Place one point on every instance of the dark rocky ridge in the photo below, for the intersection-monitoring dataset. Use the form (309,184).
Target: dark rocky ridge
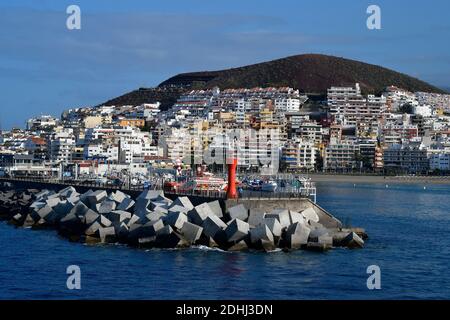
(310,73)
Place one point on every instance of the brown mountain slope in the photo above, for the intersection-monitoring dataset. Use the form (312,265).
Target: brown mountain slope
(311,73)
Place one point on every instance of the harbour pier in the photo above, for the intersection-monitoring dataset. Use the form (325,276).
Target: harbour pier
(154,218)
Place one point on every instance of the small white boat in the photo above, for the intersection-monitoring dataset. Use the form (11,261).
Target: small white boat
(269,186)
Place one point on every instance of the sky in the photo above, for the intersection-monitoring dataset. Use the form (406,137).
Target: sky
(46,68)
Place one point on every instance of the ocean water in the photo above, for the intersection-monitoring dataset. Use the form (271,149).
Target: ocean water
(409,229)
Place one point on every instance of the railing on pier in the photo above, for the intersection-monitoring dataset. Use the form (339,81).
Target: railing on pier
(75,183)
(306,191)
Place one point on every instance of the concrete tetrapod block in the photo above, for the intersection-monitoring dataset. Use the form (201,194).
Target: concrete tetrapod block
(90,216)
(262,232)
(92,230)
(122,231)
(212,226)
(17,219)
(163,236)
(85,197)
(96,197)
(38,205)
(107,235)
(154,216)
(200,213)
(71,227)
(155,225)
(151,195)
(44,212)
(141,207)
(262,237)
(138,231)
(53,195)
(63,207)
(238,212)
(119,215)
(176,219)
(282,216)
(191,232)
(216,208)
(148,242)
(29,221)
(135,226)
(134,219)
(238,246)
(316,233)
(74,199)
(104,221)
(178,208)
(53,202)
(311,215)
(256,217)
(166,200)
(296,217)
(113,216)
(126,204)
(237,230)
(274,226)
(353,241)
(50,216)
(118,196)
(106,206)
(184,202)
(66,192)
(157,204)
(160,210)
(165,231)
(297,235)
(42,195)
(325,239)
(174,240)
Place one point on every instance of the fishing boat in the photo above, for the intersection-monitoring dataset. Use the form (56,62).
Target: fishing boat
(269,186)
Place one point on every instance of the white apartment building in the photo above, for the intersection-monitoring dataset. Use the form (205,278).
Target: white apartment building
(252,148)
(299,155)
(423,110)
(149,110)
(397,97)
(287,105)
(61,145)
(310,131)
(440,161)
(41,123)
(176,144)
(341,155)
(397,133)
(350,108)
(410,157)
(105,151)
(119,144)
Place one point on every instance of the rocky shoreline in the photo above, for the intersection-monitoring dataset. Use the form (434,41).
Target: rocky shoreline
(154,221)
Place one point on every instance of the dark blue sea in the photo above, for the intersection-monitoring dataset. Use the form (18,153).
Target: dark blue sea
(409,229)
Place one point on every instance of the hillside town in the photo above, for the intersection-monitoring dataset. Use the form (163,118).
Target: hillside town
(397,132)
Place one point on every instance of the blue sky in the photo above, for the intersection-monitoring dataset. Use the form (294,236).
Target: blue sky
(46,68)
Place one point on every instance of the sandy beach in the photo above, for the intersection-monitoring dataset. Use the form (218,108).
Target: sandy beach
(379,179)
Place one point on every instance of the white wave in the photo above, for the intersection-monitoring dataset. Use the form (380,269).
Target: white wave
(206,248)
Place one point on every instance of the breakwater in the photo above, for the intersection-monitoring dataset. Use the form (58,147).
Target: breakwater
(152,220)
